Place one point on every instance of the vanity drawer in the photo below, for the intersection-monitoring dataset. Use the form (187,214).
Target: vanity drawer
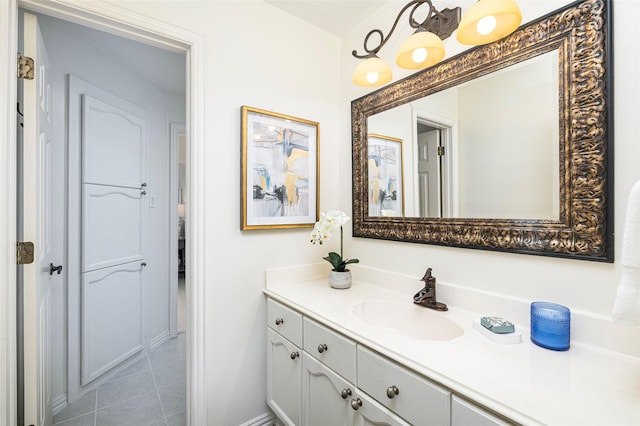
(285,321)
(418,400)
(335,351)
(465,413)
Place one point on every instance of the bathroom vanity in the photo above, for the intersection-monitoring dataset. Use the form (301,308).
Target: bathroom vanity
(368,355)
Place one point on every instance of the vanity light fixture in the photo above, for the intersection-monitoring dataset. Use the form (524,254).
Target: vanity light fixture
(485,22)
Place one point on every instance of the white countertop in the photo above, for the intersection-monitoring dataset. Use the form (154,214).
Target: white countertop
(526,383)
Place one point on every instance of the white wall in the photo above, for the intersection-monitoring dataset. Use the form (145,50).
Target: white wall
(71,54)
(580,285)
(522,144)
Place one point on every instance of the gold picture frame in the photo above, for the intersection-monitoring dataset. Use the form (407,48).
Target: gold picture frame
(279,170)
(386,175)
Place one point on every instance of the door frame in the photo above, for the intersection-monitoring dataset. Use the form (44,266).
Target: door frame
(121,22)
(449,140)
(175,130)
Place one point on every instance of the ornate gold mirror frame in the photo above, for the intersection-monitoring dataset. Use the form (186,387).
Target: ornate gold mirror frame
(580,33)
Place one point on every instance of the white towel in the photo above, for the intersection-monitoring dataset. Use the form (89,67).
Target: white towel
(626,307)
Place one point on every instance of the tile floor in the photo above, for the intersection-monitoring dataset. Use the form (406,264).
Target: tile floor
(149,392)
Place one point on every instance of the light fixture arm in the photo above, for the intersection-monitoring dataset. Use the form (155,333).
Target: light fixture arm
(441,23)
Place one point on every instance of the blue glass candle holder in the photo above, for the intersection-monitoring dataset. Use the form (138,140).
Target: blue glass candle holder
(550,325)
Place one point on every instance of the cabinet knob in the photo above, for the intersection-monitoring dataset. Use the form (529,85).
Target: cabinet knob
(392,391)
(356,403)
(279,321)
(346,393)
(322,347)
(295,355)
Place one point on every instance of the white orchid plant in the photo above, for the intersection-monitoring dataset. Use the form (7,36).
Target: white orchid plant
(322,232)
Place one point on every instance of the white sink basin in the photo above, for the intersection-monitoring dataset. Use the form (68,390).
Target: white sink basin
(408,320)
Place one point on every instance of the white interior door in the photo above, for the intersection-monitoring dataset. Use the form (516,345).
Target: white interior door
(36,184)
(113,191)
(428,173)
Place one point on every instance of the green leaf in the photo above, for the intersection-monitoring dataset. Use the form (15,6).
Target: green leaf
(335,260)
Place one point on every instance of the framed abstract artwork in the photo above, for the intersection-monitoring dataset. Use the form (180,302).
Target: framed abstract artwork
(280,167)
(386,188)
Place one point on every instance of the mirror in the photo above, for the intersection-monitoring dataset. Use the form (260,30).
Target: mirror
(454,165)
(503,147)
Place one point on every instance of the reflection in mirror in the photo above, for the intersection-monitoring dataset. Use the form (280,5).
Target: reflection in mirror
(386,186)
(524,125)
(487,148)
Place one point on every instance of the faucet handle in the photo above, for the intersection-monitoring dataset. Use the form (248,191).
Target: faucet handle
(428,278)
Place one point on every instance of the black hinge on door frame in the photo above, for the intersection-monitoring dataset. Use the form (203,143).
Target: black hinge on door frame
(24,252)
(440,151)
(25,67)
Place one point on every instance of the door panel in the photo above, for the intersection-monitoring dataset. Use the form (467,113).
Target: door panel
(112,140)
(112,226)
(112,146)
(429,182)
(322,395)
(111,318)
(284,378)
(36,178)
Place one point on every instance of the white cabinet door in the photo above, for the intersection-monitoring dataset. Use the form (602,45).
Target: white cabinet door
(284,374)
(326,396)
(111,226)
(111,318)
(370,413)
(113,142)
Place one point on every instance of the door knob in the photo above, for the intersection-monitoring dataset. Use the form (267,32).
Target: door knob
(322,347)
(356,403)
(346,393)
(294,355)
(53,269)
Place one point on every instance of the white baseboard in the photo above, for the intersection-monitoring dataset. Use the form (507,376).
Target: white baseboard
(159,339)
(266,419)
(59,404)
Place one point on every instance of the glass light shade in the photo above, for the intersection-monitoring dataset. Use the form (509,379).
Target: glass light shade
(412,51)
(372,72)
(507,19)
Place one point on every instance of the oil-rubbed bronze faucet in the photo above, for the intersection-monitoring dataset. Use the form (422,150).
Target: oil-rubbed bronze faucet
(427,296)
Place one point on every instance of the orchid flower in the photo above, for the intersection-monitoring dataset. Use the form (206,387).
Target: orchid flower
(322,231)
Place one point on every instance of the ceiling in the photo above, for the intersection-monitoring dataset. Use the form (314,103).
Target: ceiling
(334,16)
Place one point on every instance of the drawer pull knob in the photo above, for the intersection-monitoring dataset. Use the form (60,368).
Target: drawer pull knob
(392,391)
(295,355)
(279,321)
(356,403)
(346,393)
(322,347)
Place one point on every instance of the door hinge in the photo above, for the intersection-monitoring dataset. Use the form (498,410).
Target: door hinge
(440,151)
(24,253)
(25,67)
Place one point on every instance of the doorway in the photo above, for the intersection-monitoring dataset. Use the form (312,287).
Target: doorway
(166,130)
(435,161)
(118,158)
